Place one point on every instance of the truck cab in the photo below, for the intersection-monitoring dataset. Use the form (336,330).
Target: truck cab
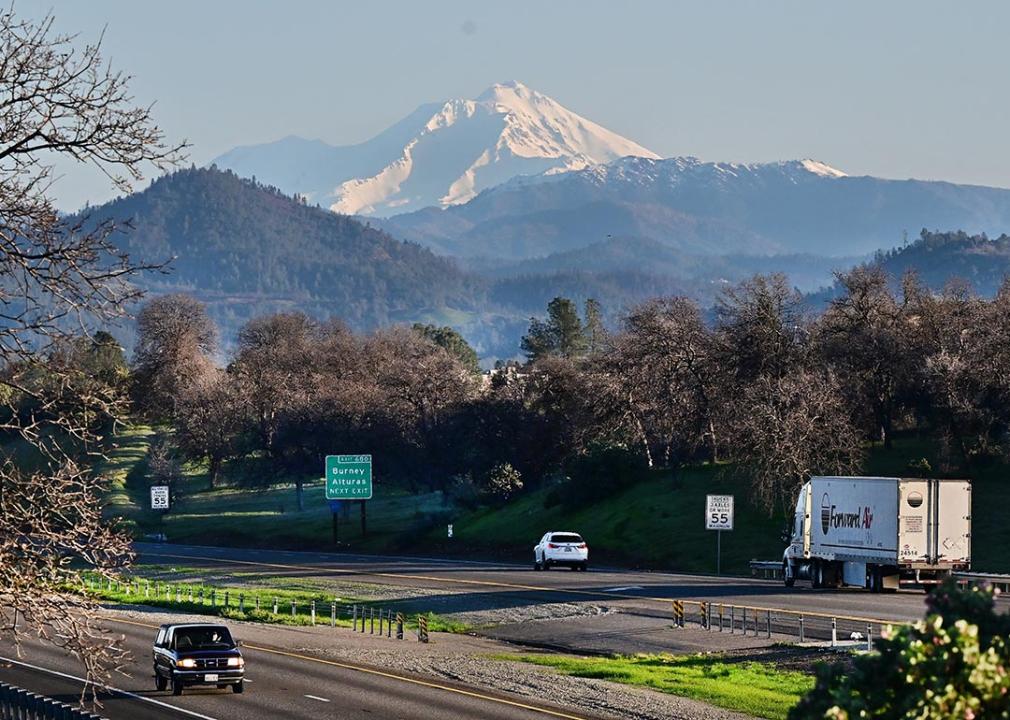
(197,654)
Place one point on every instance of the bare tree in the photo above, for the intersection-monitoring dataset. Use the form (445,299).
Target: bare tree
(175,343)
(209,418)
(56,280)
(787,428)
(863,335)
(667,368)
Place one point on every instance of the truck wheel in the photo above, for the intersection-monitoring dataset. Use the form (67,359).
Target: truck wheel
(787,574)
(160,682)
(176,687)
(238,687)
(816,574)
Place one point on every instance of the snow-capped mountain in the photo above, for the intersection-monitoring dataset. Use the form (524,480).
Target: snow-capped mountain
(799,206)
(440,155)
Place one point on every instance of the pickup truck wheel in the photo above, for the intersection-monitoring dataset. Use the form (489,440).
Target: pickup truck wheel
(176,687)
(787,574)
(160,681)
(239,687)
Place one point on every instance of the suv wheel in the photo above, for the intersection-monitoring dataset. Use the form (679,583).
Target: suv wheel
(584,566)
(536,563)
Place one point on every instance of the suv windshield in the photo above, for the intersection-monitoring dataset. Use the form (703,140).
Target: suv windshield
(203,638)
(559,538)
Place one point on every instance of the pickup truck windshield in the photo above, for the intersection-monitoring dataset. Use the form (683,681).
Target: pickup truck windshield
(203,638)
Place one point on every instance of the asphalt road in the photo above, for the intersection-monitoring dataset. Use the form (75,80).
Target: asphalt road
(479,585)
(282,684)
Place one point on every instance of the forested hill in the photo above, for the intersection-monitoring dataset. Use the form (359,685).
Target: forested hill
(938,257)
(246,249)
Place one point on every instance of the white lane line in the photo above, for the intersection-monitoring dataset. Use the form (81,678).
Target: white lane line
(316,697)
(109,688)
(621,589)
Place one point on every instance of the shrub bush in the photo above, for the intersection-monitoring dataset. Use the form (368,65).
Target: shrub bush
(954,664)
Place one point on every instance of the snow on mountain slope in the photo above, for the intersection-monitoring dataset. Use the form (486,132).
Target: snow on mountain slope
(440,155)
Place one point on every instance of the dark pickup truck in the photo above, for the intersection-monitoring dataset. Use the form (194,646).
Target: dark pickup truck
(197,654)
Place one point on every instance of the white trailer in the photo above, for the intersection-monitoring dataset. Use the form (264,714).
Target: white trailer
(878,532)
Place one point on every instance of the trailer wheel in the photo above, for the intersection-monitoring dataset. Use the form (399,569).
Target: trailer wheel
(816,574)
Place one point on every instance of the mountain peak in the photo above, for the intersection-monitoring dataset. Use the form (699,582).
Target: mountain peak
(441,154)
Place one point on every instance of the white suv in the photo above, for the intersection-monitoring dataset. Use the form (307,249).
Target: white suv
(561,548)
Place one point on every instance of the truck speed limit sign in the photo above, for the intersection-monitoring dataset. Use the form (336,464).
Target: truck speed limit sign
(719,512)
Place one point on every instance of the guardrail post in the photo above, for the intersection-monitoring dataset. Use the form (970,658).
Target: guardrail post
(801,629)
(732,619)
(241,602)
(213,598)
(389,623)
(743,620)
(380,622)
(702,612)
(312,611)
(292,608)
(834,633)
(371,621)
(354,618)
(422,628)
(399,626)
(869,637)
(226,598)
(275,606)
(333,614)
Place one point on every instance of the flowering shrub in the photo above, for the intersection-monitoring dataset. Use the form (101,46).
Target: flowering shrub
(953,664)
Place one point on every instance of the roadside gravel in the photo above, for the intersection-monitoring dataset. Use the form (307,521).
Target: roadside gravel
(460,659)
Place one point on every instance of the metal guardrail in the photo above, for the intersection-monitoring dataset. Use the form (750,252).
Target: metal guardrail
(771,569)
(998,580)
(19,704)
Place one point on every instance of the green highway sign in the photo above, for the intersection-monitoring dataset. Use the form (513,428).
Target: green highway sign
(348,477)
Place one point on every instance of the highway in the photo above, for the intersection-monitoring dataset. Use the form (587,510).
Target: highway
(282,684)
(489,585)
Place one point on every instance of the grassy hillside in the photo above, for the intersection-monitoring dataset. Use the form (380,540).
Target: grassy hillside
(657,523)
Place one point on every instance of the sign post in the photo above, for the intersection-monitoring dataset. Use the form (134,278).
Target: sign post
(348,477)
(718,517)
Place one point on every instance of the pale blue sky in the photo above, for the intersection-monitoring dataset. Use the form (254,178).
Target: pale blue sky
(896,89)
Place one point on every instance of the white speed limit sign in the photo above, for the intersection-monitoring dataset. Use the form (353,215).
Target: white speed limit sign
(719,512)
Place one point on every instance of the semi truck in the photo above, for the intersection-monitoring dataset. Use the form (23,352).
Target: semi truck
(880,533)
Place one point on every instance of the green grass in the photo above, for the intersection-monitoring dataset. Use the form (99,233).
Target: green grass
(243,601)
(658,522)
(754,688)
